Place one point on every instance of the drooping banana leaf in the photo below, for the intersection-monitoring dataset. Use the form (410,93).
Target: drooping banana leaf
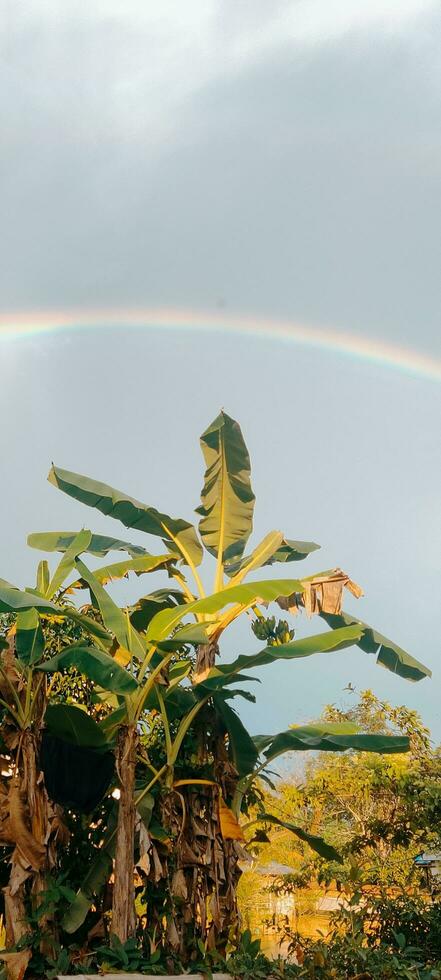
(143,611)
(228,693)
(98,666)
(177,534)
(73,724)
(306,738)
(316,844)
(14,600)
(241,746)
(245,594)
(389,655)
(99,544)
(227,498)
(122,569)
(322,643)
(326,728)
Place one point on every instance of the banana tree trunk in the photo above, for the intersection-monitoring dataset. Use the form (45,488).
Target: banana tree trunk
(205,873)
(123,907)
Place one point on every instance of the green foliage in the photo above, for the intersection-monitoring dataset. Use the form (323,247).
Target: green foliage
(69,722)
(389,655)
(126,957)
(135,668)
(132,513)
(227,498)
(98,666)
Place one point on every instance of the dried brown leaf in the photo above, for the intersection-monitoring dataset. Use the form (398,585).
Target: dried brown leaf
(32,851)
(230,827)
(16,963)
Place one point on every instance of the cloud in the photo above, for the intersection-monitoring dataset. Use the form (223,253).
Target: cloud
(287,165)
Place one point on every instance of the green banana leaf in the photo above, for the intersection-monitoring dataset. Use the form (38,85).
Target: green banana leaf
(241,746)
(143,611)
(227,498)
(245,594)
(316,844)
(317,738)
(132,513)
(193,633)
(326,728)
(43,577)
(121,569)
(98,666)
(115,620)
(14,600)
(79,544)
(99,544)
(29,639)
(236,692)
(111,723)
(284,550)
(262,552)
(389,655)
(293,551)
(73,724)
(322,643)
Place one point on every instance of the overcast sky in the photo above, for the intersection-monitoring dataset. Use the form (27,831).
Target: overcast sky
(279,159)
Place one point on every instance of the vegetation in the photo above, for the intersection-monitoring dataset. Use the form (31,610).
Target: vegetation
(130,788)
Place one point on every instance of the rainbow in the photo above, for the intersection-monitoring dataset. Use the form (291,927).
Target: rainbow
(411,362)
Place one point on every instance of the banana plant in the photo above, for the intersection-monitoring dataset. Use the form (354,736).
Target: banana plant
(30,825)
(144,637)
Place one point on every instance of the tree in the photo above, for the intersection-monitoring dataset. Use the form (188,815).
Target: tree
(147,634)
(378,811)
(29,823)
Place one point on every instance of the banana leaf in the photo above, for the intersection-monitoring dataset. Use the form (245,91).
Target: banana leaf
(29,639)
(98,666)
(306,738)
(274,547)
(78,545)
(140,565)
(75,776)
(143,611)
(307,647)
(14,600)
(132,513)
(43,576)
(115,620)
(245,594)
(99,544)
(227,498)
(389,655)
(241,746)
(316,844)
(73,724)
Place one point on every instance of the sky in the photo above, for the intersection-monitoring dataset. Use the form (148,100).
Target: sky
(185,166)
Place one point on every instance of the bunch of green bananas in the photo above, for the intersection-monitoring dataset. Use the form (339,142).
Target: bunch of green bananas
(273,633)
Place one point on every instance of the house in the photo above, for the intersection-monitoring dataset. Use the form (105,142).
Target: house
(430,864)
